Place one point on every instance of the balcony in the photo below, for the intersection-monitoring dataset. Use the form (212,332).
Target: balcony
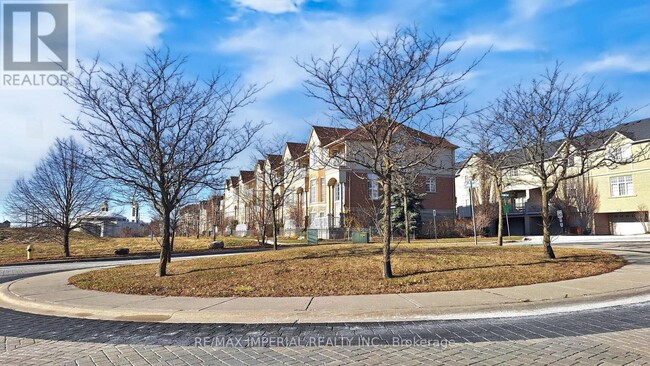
(529,208)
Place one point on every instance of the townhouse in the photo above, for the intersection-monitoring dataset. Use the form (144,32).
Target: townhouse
(611,199)
(330,193)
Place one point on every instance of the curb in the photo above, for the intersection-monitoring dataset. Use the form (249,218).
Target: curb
(507,309)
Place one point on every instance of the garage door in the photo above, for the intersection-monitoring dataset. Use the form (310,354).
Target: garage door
(626,223)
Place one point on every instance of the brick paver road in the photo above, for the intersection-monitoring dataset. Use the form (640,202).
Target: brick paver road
(612,336)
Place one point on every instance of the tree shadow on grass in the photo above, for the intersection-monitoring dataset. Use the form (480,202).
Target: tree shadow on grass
(590,258)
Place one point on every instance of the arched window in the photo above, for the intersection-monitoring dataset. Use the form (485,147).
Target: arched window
(337,192)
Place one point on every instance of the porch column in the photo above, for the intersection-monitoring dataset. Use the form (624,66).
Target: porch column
(342,204)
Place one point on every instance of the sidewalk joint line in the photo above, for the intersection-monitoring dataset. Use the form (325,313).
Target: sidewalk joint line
(409,300)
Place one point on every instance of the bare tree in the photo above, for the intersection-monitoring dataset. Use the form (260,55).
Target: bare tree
(489,164)
(153,130)
(214,215)
(403,86)
(59,192)
(578,198)
(277,178)
(563,128)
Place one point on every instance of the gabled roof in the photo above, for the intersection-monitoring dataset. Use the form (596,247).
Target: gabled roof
(247,175)
(234,181)
(327,135)
(275,160)
(360,133)
(635,131)
(260,164)
(296,149)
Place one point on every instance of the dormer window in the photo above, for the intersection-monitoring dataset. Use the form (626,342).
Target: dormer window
(620,153)
(571,161)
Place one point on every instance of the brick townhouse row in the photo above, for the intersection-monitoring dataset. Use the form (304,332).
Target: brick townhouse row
(330,193)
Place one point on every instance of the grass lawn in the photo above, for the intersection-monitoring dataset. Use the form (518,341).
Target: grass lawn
(46,245)
(350,269)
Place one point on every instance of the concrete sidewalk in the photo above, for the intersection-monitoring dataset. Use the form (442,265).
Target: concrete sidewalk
(52,295)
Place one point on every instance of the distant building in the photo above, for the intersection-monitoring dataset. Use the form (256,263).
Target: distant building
(5,225)
(106,224)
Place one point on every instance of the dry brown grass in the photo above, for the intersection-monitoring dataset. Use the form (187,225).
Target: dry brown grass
(46,244)
(350,269)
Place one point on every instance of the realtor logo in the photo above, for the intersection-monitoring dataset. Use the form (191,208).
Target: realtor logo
(36,43)
(35,36)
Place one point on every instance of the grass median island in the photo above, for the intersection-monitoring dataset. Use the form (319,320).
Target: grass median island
(352,269)
(46,245)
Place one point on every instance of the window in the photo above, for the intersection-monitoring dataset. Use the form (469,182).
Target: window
(571,161)
(620,153)
(373,187)
(312,190)
(621,186)
(313,157)
(337,192)
(322,190)
(513,172)
(431,185)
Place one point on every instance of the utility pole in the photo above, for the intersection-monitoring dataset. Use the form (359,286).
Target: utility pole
(435,225)
(471,202)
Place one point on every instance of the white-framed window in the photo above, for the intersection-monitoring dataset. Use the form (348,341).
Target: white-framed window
(621,186)
(620,153)
(431,185)
(373,187)
(513,172)
(322,190)
(337,192)
(312,190)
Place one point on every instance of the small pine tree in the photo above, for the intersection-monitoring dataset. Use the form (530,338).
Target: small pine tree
(414,205)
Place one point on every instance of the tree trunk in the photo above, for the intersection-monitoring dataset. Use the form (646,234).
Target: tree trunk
(66,242)
(388,271)
(171,245)
(500,221)
(546,224)
(407,220)
(275,230)
(164,250)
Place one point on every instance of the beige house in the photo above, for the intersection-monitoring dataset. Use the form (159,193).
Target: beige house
(612,199)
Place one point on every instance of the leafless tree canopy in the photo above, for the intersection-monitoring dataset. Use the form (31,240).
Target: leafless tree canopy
(404,85)
(560,124)
(58,192)
(278,177)
(154,131)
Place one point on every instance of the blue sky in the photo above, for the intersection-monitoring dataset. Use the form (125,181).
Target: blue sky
(605,40)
